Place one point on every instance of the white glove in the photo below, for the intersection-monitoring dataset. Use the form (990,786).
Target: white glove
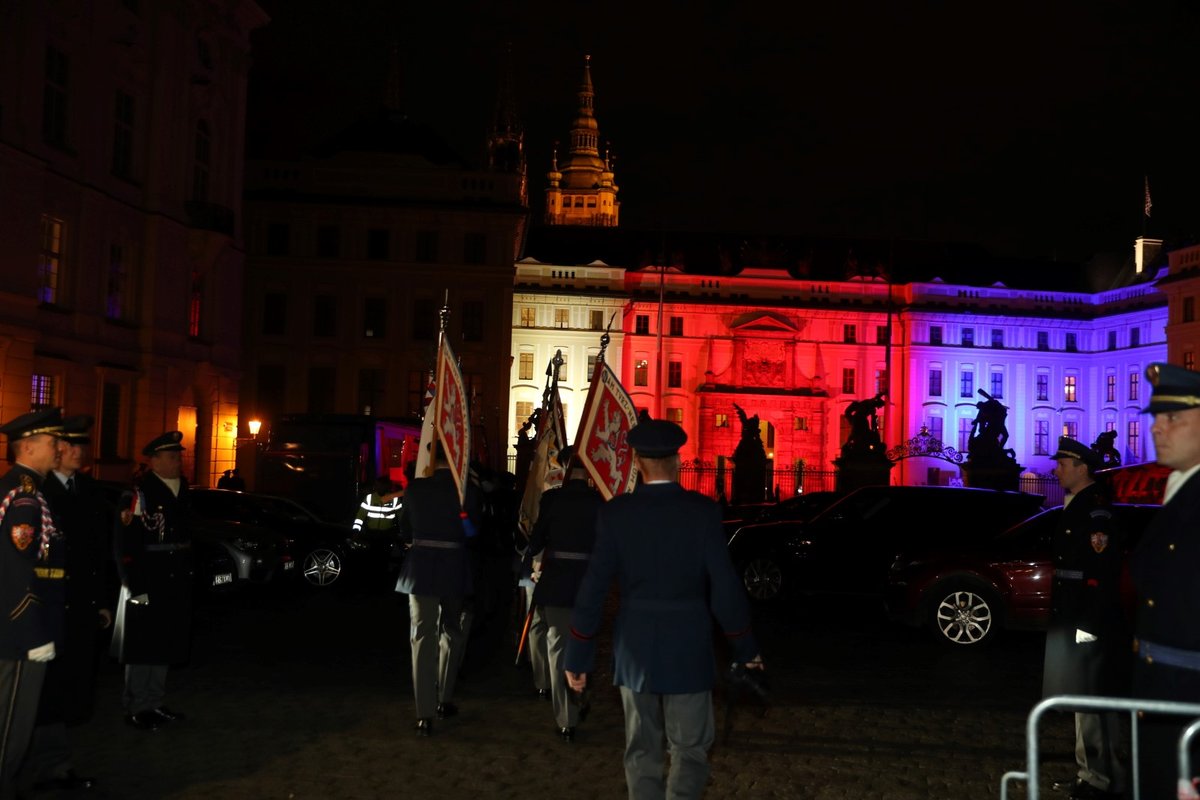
(43,653)
(140,600)
(1082,636)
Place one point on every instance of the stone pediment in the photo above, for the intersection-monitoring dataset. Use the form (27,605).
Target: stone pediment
(763,321)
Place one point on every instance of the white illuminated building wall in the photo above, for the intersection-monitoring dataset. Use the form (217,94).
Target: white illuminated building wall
(563,308)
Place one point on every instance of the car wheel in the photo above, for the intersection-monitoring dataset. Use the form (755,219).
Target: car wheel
(963,614)
(763,578)
(322,567)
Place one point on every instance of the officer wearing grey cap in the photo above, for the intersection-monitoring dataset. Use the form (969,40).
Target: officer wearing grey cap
(665,547)
(154,610)
(29,542)
(1164,566)
(1087,641)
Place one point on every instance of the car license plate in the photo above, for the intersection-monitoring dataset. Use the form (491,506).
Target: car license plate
(224,577)
(289,565)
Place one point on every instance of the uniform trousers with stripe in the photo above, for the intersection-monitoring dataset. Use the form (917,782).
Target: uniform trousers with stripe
(686,722)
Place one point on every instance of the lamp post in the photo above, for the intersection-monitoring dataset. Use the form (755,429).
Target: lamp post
(246,458)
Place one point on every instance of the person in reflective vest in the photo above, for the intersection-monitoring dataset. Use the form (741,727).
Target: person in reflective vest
(381,506)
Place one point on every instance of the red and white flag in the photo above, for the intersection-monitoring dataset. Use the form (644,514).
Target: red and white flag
(545,472)
(601,446)
(425,447)
(451,419)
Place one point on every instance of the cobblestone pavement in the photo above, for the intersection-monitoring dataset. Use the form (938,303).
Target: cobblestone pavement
(309,696)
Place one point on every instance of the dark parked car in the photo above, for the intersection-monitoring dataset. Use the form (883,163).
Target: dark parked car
(328,555)
(219,563)
(848,547)
(793,509)
(966,594)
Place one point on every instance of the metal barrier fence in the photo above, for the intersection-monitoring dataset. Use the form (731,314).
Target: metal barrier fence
(1082,703)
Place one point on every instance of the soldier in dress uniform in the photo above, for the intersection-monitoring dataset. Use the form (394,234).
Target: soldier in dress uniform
(29,546)
(1087,643)
(665,547)
(560,547)
(154,559)
(86,523)
(436,576)
(1165,567)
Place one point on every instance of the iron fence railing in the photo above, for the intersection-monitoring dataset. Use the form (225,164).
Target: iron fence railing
(717,482)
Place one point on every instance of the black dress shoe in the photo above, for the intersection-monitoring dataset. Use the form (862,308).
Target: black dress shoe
(543,694)
(169,715)
(566,734)
(424,726)
(445,710)
(69,782)
(145,720)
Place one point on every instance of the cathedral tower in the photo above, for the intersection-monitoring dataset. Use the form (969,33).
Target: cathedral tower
(582,191)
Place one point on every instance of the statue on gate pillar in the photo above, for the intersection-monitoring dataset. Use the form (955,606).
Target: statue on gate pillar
(749,462)
(989,464)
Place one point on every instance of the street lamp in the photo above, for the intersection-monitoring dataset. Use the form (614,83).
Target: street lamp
(254,425)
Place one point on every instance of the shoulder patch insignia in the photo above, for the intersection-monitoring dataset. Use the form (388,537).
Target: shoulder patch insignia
(22,536)
(1099,541)
(27,484)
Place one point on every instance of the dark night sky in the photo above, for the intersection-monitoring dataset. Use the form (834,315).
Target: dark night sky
(1025,127)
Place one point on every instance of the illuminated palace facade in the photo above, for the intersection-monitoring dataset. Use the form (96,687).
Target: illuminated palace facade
(707,328)
(796,351)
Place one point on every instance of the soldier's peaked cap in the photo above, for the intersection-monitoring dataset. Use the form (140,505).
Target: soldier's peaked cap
(656,438)
(1069,448)
(168,441)
(47,420)
(76,429)
(1175,388)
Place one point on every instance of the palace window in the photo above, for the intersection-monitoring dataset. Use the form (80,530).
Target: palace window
(1042,387)
(935,382)
(720,420)
(528,316)
(848,380)
(1072,343)
(968,337)
(849,334)
(1041,437)
(641,324)
(641,372)
(1110,388)
(1134,380)
(675,374)
(50,259)
(997,385)
(562,317)
(966,383)
(1069,386)
(1043,340)
(676,326)
(42,392)
(525,367)
(935,334)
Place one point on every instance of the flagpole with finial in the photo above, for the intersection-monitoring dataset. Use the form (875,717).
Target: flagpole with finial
(424,465)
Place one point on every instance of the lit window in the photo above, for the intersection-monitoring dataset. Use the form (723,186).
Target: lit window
(524,410)
(1110,388)
(50,259)
(641,372)
(562,317)
(720,420)
(799,423)
(1070,428)
(561,374)
(1134,379)
(1069,385)
(42,394)
(596,319)
(675,415)
(528,316)
(1133,438)
(881,380)
(591,369)
(525,367)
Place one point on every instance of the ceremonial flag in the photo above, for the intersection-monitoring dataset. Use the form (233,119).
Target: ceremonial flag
(425,447)
(600,446)
(545,472)
(1148,203)
(451,419)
